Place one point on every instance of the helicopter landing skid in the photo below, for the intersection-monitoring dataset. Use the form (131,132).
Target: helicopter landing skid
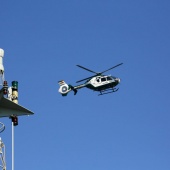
(109,91)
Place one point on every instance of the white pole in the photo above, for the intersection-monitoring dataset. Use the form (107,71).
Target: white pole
(12,145)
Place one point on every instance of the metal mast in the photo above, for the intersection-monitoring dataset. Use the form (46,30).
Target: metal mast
(9,107)
(2,149)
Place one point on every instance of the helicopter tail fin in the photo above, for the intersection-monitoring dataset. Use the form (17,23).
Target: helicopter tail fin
(65,88)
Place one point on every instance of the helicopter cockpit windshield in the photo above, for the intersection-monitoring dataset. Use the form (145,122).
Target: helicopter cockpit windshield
(109,78)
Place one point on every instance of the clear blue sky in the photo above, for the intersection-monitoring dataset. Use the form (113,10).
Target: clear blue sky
(127,130)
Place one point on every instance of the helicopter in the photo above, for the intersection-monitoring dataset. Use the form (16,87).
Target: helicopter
(103,84)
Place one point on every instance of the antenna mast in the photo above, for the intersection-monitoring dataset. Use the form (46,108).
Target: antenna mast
(2,149)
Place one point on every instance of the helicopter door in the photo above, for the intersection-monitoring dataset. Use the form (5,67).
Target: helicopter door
(103,80)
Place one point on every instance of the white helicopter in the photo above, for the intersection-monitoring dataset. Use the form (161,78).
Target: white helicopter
(99,82)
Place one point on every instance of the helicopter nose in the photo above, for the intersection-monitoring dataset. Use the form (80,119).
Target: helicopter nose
(118,80)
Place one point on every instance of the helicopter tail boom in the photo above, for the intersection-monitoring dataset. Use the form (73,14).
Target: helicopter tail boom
(66,88)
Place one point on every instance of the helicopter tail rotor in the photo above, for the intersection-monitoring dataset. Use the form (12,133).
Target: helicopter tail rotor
(65,88)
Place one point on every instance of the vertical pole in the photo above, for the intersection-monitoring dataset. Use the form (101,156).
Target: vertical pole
(12,145)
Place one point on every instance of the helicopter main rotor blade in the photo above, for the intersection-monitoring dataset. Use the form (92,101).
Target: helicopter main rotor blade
(111,68)
(85,79)
(87,69)
(97,74)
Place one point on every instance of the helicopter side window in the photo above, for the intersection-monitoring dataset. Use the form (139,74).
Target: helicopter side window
(103,79)
(98,80)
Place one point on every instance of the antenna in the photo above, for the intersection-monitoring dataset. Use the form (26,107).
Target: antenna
(1,67)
